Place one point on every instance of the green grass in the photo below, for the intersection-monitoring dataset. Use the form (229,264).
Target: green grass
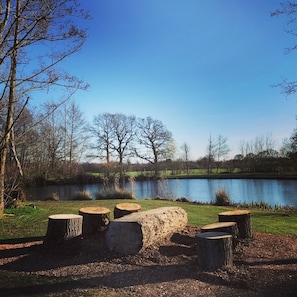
(32,222)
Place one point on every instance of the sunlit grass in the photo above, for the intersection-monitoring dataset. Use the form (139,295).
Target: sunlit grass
(32,222)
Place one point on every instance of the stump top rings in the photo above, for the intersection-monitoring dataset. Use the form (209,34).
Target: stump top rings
(128,206)
(235,212)
(64,216)
(95,210)
(218,225)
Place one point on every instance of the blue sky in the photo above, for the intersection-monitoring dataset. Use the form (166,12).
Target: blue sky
(202,67)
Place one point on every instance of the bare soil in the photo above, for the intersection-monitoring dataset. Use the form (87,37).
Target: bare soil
(265,265)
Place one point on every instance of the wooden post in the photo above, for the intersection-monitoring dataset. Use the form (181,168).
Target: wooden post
(95,220)
(123,209)
(63,232)
(243,220)
(226,227)
(214,250)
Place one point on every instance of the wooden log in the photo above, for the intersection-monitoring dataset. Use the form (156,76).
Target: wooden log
(63,232)
(214,250)
(225,227)
(95,220)
(136,231)
(243,220)
(123,209)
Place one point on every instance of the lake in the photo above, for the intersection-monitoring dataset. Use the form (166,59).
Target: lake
(273,192)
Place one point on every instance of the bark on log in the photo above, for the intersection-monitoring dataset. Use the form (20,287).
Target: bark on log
(63,232)
(225,227)
(123,209)
(214,250)
(131,233)
(95,220)
(243,220)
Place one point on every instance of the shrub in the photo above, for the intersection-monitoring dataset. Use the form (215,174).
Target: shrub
(114,194)
(222,198)
(52,197)
(82,195)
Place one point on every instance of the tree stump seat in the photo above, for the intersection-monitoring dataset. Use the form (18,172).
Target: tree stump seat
(63,232)
(123,209)
(243,220)
(214,250)
(132,233)
(95,220)
(226,227)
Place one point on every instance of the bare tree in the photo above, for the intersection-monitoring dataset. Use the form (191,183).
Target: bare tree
(102,130)
(222,149)
(186,153)
(35,36)
(155,142)
(124,134)
(75,135)
(211,151)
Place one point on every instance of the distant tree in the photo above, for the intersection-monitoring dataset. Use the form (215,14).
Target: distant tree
(221,149)
(155,142)
(103,132)
(211,152)
(124,133)
(186,152)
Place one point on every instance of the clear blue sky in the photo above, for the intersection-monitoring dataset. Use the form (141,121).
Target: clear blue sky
(200,66)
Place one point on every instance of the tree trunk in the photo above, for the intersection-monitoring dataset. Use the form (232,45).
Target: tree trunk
(214,250)
(130,234)
(95,220)
(63,232)
(225,227)
(123,209)
(243,220)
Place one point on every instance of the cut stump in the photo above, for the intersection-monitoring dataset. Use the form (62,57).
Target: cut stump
(214,250)
(226,227)
(95,220)
(63,232)
(131,233)
(243,220)
(123,209)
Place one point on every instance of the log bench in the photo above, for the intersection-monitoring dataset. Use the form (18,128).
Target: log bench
(225,227)
(95,220)
(131,233)
(123,209)
(63,232)
(214,250)
(243,220)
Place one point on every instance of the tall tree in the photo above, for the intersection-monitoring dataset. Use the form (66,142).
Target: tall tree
(186,153)
(124,134)
(35,37)
(155,142)
(102,130)
(210,154)
(222,149)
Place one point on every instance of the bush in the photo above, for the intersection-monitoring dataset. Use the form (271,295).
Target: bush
(82,195)
(222,198)
(114,194)
(52,197)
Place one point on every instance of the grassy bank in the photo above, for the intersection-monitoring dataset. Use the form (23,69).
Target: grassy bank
(32,222)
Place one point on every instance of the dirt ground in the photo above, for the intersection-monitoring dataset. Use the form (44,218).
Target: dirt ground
(265,265)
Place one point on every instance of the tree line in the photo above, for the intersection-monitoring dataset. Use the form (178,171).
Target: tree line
(36,36)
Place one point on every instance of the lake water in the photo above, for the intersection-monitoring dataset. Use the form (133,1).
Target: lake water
(273,192)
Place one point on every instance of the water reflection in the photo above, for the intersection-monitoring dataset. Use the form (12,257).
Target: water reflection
(273,192)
